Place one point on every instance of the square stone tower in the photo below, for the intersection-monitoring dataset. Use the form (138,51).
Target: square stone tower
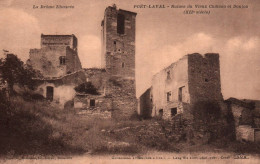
(118,59)
(58,56)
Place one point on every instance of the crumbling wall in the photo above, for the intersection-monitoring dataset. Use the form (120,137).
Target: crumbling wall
(61,93)
(59,40)
(171,89)
(63,87)
(97,77)
(145,104)
(95,114)
(119,48)
(244,113)
(204,77)
(122,92)
(57,56)
(101,108)
(210,113)
(101,103)
(46,60)
(74,78)
(245,133)
(119,56)
(72,61)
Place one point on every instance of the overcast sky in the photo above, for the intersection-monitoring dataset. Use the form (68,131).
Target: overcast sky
(162,36)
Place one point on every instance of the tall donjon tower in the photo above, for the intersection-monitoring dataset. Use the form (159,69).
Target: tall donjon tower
(118,59)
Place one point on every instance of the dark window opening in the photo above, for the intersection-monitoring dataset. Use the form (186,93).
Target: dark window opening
(123,65)
(173,111)
(120,24)
(62,60)
(180,93)
(114,46)
(169,94)
(92,102)
(49,93)
(168,74)
(161,113)
(206,80)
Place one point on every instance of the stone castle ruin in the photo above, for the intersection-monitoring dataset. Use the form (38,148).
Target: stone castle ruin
(175,89)
(187,92)
(113,85)
(57,56)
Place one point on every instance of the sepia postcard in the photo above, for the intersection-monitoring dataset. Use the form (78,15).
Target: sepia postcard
(129,81)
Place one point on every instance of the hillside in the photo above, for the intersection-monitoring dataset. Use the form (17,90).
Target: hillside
(35,127)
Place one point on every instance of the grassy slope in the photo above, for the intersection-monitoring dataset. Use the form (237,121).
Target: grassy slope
(42,128)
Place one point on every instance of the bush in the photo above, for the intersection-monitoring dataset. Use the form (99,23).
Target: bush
(29,96)
(30,129)
(87,88)
(14,71)
(69,105)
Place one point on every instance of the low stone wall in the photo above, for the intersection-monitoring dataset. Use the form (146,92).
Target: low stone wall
(92,102)
(93,105)
(95,113)
(245,133)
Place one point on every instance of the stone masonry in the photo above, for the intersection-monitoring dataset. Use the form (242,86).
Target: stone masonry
(192,79)
(118,59)
(57,56)
(115,81)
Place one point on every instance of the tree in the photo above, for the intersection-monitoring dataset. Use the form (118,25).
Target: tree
(15,72)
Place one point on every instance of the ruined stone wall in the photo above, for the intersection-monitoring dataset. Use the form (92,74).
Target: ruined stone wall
(169,81)
(242,115)
(82,102)
(245,133)
(72,61)
(119,48)
(186,83)
(145,104)
(95,114)
(204,78)
(124,102)
(97,77)
(47,61)
(59,40)
(63,87)
(210,113)
(245,119)
(74,78)
(119,56)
